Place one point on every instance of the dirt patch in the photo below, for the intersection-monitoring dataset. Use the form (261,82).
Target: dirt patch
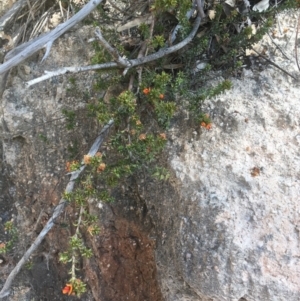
(124,264)
(123,267)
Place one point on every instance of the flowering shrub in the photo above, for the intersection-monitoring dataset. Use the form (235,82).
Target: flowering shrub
(143,113)
(11,235)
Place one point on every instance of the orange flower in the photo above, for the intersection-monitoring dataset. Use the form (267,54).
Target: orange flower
(142,137)
(98,154)
(2,245)
(138,122)
(163,136)
(71,166)
(161,96)
(87,159)
(133,132)
(67,289)
(91,230)
(206,125)
(146,91)
(101,167)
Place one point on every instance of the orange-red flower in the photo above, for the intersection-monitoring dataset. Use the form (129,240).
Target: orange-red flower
(101,167)
(87,159)
(206,125)
(98,154)
(142,137)
(161,96)
(71,166)
(67,289)
(163,136)
(91,230)
(146,91)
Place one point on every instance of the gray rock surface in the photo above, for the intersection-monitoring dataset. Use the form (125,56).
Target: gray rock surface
(233,232)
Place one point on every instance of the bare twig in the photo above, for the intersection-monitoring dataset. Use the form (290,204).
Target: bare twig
(62,11)
(22,52)
(200,8)
(49,74)
(296,42)
(132,63)
(30,9)
(136,22)
(275,65)
(114,52)
(143,52)
(178,26)
(277,47)
(40,23)
(130,84)
(57,212)
(73,272)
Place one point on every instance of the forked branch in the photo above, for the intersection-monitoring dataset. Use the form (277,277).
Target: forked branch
(24,51)
(131,63)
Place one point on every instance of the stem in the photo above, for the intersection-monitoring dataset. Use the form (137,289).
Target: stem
(73,272)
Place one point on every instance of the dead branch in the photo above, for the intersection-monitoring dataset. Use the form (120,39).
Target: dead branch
(178,26)
(24,51)
(136,22)
(65,70)
(132,63)
(277,47)
(200,8)
(114,52)
(57,212)
(275,65)
(296,42)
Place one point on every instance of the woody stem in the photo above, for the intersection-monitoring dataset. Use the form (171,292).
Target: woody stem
(73,269)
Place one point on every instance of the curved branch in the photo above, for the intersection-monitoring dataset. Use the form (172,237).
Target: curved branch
(132,63)
(57,212)
(24,51)
(163,52)
(179,26)
(296,41)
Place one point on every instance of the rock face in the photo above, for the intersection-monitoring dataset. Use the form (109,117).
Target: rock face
(226,225)
(237,228)
(232,231)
